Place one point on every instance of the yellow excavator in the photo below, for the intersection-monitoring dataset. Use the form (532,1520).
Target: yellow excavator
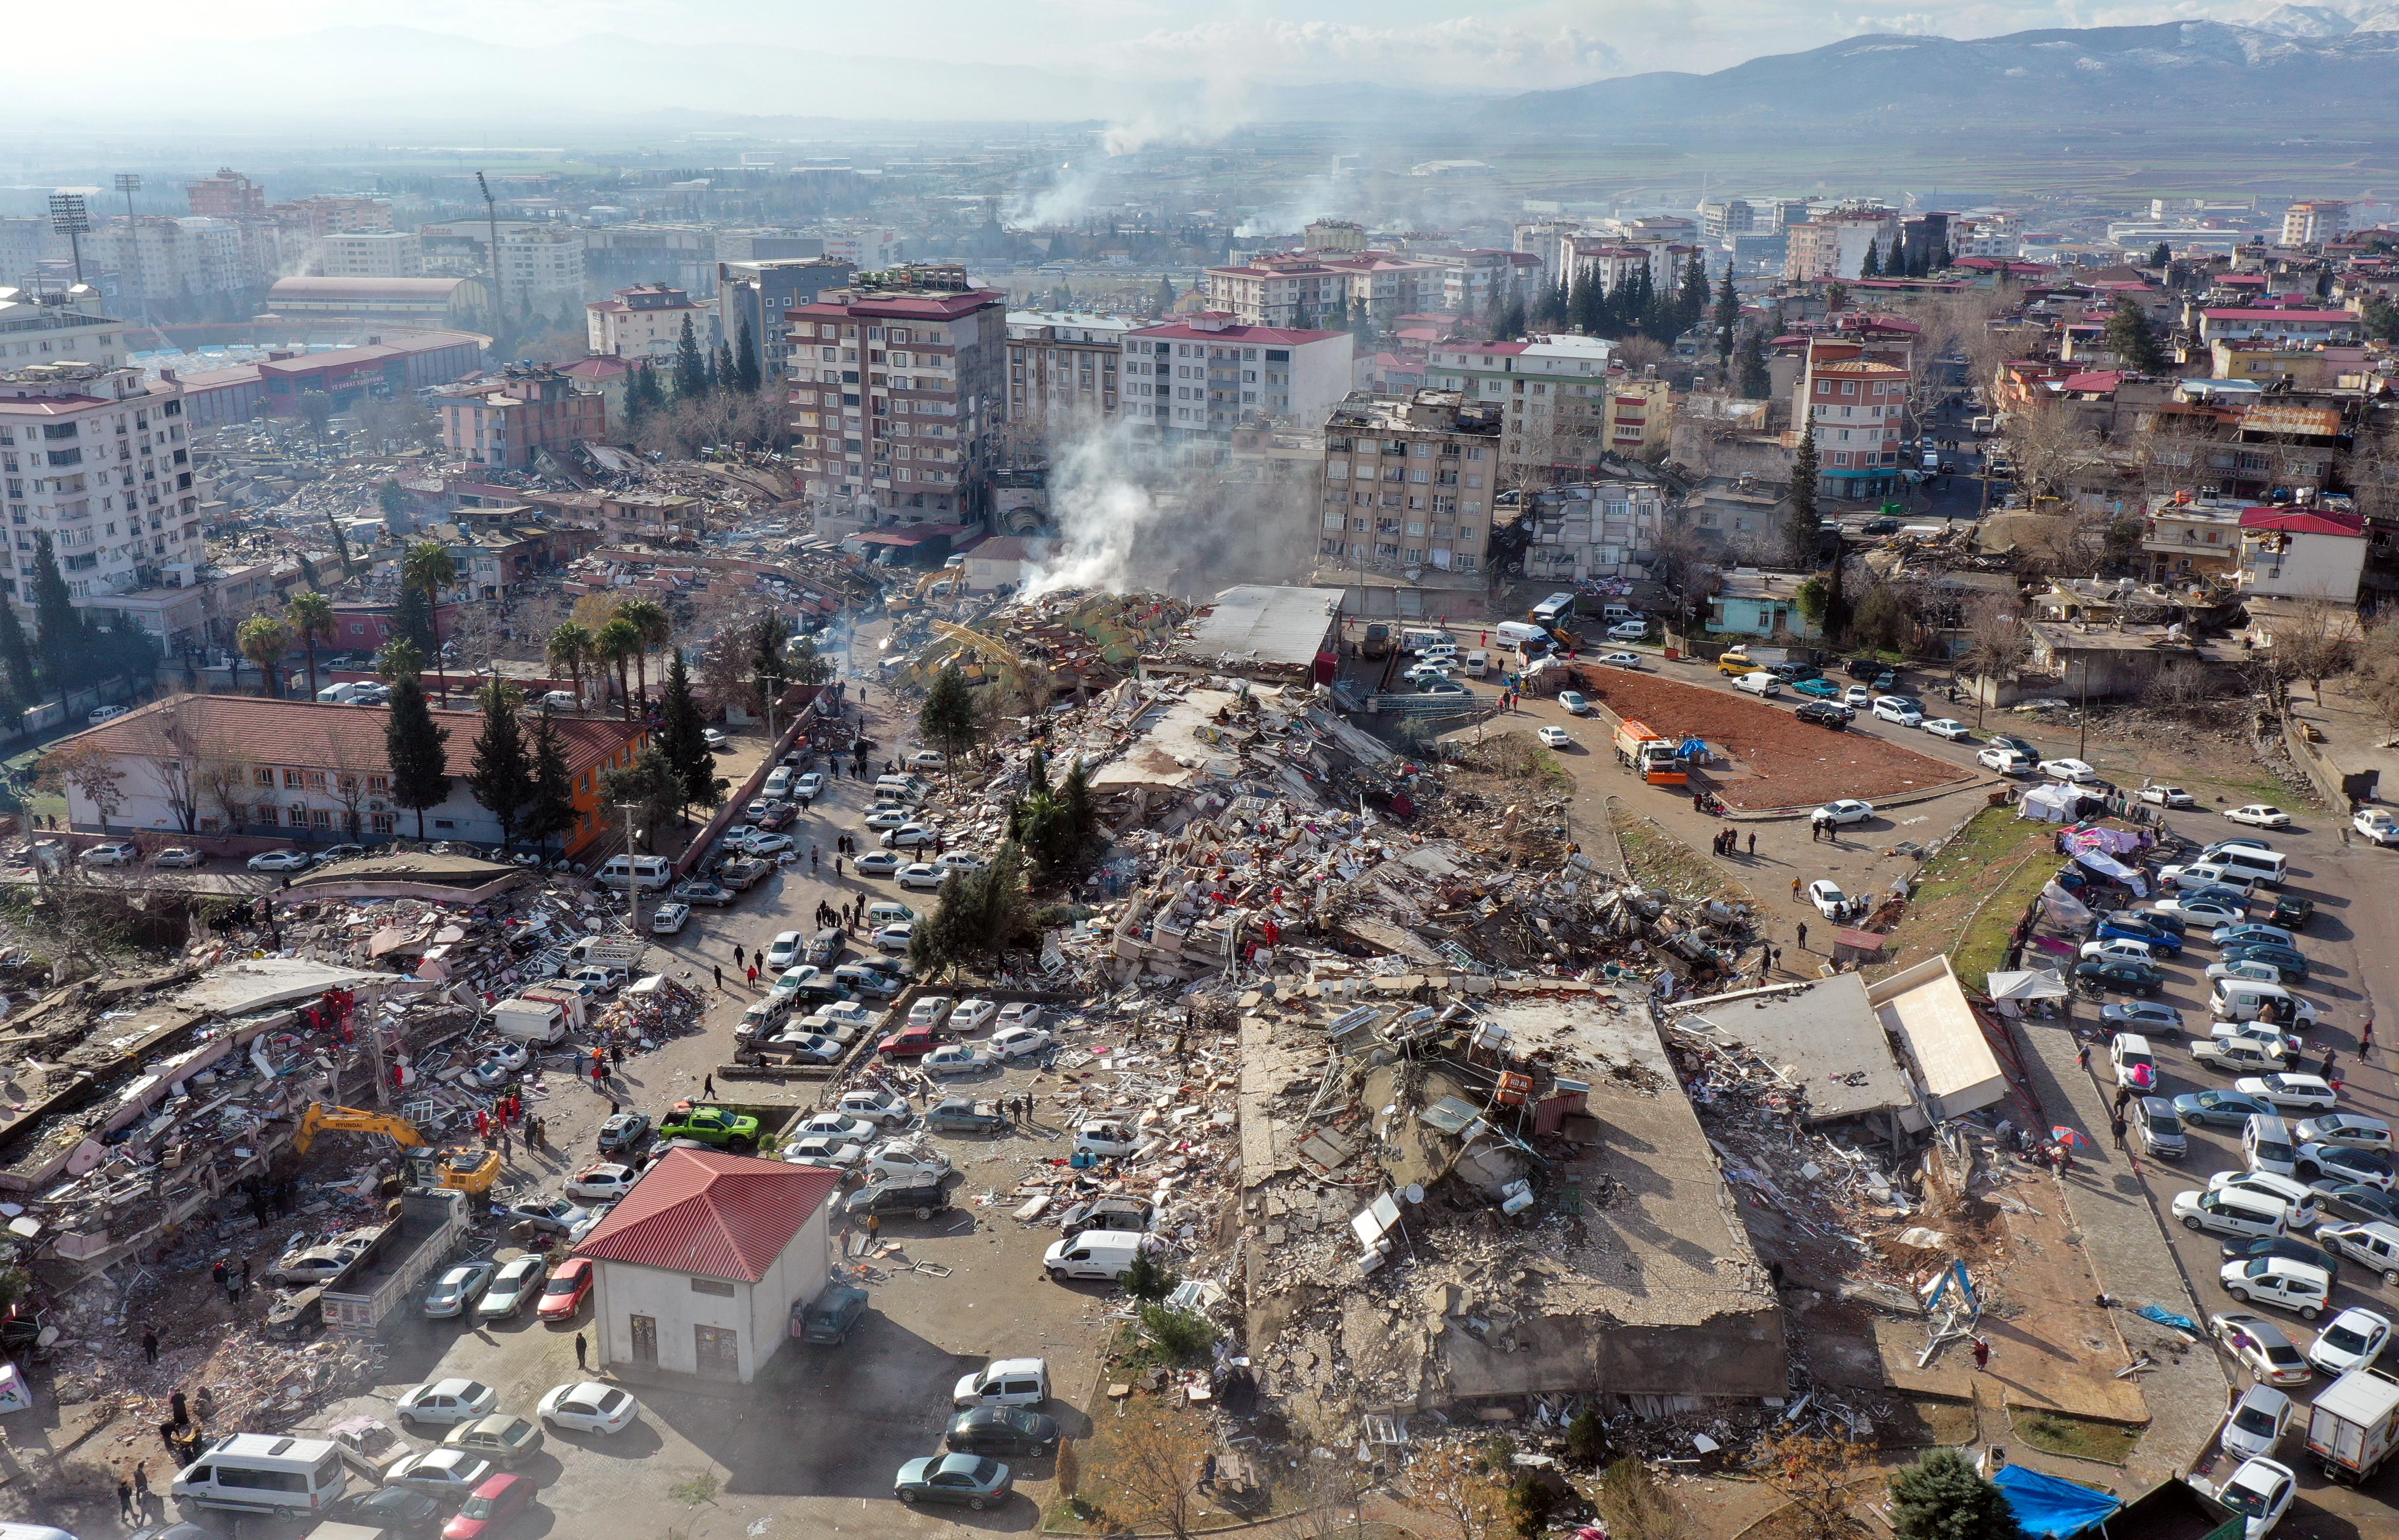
(471,1170)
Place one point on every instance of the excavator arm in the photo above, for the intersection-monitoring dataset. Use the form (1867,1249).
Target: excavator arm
(321,1118)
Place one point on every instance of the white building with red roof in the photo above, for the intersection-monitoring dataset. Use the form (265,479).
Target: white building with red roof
(697,1270)
(1200,376)
(2302,553)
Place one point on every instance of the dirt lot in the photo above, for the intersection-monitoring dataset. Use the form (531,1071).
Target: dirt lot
(1777,760)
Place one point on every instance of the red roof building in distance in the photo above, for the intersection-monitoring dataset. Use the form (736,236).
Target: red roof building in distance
(1203,374)
(897,387)
(2293,520)
(712,1215)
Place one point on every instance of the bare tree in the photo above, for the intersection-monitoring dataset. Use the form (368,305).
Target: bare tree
(1449,1483)
(2378,667)
(1637,1505)
(177,772)
(1813,1474)
(226,789)
(89,770)
(1157,1470)
(2052,449)
(1995,344)
(2317,642)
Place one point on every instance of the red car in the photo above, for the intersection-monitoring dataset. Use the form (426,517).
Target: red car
(907,1042)
(494,1503)
(566,1290)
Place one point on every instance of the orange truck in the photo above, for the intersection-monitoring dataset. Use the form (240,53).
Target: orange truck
(1647,755)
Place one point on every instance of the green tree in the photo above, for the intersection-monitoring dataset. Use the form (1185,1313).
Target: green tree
(654,625)
(1942,1497)
(500,773)
(569,651)
(428,568)
(57,621)
(2130,339)
(317,409)
(1512,318)
(690,365)
(617,645)
(1837,297)
(649,785)
(2381,318)
(643,395)
(1727,318)
(412,621)
(770,657)
(1637,1505)
(1165,295)
(1802,532)
(393,499)
(310,615)
(727,376)
(1692,299)
(417,749)
(747,377)
(2161,257)
(16,656)
(947,718)
(682,738)
(1871,267)
(552,811)
(265,640)
(1757,384)
(401,658)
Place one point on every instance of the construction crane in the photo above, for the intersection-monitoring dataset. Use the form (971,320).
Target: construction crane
(471,1170)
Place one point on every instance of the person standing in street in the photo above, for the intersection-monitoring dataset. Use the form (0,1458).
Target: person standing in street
(150,1342)
(1982,1353)
(581,1349)
(1803,935)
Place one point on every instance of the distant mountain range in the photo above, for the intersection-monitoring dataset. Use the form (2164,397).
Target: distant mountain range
(2203,73)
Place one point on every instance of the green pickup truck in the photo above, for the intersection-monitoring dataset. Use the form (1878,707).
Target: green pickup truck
(726,1131)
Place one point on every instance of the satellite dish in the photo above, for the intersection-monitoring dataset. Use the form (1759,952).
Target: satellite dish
(1413,1192)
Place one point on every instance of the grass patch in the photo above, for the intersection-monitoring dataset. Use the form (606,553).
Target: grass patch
(1983,945)
(1994,837)
(1923,1423)
(1657,860)
(2084,1438)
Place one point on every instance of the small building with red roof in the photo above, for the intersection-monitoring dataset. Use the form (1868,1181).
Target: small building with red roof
(2292,552)
(697,1269)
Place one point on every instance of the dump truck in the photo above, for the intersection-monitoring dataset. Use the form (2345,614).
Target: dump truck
(1643,752)
(432,1222)
(2354,1425)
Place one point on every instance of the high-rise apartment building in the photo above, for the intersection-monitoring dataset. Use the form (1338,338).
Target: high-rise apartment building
(503,422)
(2314,221)
(646,321)
(58,327)
(759,291)
(97,458)
(1201,376)
(162,259)
(898,387)
(1061,371)
(1854,405)
(331,214)
(1834,245)
(1409,482)
(1722,220)
(1332,235)
(540,268)
(372,254)
(227,195)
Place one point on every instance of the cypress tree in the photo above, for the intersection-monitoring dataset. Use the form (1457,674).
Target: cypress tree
(552,808)
(1691,304)
(1727,318)
(1803,499)
(54,613)
(1872,266)
(729,376)
(690,365)
(412,621)
(417,749)
(749,377)
(16,656)
(681,736)
(1755,382)
(501,776)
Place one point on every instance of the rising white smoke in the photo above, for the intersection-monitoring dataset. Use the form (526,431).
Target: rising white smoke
(1106,512)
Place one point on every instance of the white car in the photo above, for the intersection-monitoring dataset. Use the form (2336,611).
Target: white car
(838,1155)
(2260,1491)
(930,1010)
(907,1162)
(961,860)
(888,815)
(2294,1286)
(895,937)
(956,1058)
(2354,1337)
(714,739)
(2289,1191)
(602,1183)
(784,950)
(1628,631)
(1107,1137)
(928,759)
(836,1125)
(2000,757)
(2290,1093)
(1020,1013)
(1847,811)
(2168,796)
(914,836)
(669,919)
(1898,709)
(1857,697)
(447,1401)
(2352,1130)
(2070,770)
(1950,728)
(886,1109)
(2124,947)
(517,1282)
(1758,683)
(110,853)
(880,863)
(451,1475)
(1553,738)
(809,786)
(1624,660)
(970,1015)
(1016,1042)
(812,1047)
(278,860)
(2256,1423)
(588,1407)
(1830,901)
(2258,815)
(1574,703)
(850,1015)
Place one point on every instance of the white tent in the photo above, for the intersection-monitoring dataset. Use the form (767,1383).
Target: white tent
(2108,866)
(2026,984)
(2050,802)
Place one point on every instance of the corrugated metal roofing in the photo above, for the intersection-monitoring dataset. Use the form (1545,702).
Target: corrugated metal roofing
(720,1216)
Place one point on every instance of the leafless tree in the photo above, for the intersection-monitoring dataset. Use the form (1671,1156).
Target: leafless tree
(1994,344)
(2372,470)
(2170,455)
(2317,642)
(177,772)
(2052,450)
(2181,683)
(1637,1505)
(1813,1474)
(1450,1484)
(92,771)
(1158,1469)
(2378,667)
(226,789)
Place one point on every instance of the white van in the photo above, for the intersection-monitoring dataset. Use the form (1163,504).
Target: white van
(778,782)
(1105,1254)
(529,1021)
(265,1473)
(1617,614)
(2242,999)
(899,787)
(1420,641)
(2259,866)
(1516,633)
(650,873)
(338,695)
(1478,663)
(886,913)
(2267,1145)
(763,1016)
(2231,1211)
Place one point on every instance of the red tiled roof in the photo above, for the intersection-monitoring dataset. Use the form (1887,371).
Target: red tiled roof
(2097,379)
(2269,314)
(721,1216)
(308,735)
(2304,522)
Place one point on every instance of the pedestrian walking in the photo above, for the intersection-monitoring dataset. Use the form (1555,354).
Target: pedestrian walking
(836,866)
(125,1499)
(599,1071)
(1778,956)
(1982,1353)
(753,976)
(141,1485)
(2123,1098)
(2116,1128)
(2366,1034)
(720,977)
(874,1227)
(504,1152)
(707,1084)
(1753,844)
(736,954)
(2082,1056)
(812,861)
(2344,836)
(2325,1069)
(150,1342)
(581,1348)
(1795,890)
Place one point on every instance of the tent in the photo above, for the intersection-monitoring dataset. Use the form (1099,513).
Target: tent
(2115,842)
(2050,1507)
(2050,804)
(2064,908)
(2029,984)
(2108,866)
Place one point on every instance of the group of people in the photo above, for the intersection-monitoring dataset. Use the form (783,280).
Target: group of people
(508,1114)
(1727,843)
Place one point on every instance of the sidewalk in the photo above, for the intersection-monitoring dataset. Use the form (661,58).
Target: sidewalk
(2126,1243)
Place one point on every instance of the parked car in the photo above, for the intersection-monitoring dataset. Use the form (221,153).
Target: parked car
(714,894)
(566,1290)
(2258,815)
(455,1291)
(449,1475)
(2256,1422)
(516,1285)
(880,863)
(2287,1285)
(278,860)
(829,1318)
(715,1125)
(624,1131)
(669,919)
(2289,1092)
(1552,737)
(1830,901)
(1001,1430)
(2070,770)
(2260,1491)
(1574,703)
(961,1114)
(1624,660)
(2006,761)
(1758,683)
(1848,810)
(1901,710)
(444,1402)
(2120,976)
(977,1480)
(2167,796)
(1950,728)
(2262,1347)
(1019,1042)
(1826,714)
(604,1182)
(588,1407)
(180,856)
(955,1060)
(507,1441)
(550,1215)
(923,877)
(923,1199)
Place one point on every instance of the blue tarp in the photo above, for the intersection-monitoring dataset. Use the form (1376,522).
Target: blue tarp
(2048,1506)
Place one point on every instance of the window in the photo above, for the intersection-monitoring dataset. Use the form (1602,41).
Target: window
(293,780)
(262,775)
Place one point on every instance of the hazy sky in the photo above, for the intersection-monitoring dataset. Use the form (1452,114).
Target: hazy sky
(1501,43)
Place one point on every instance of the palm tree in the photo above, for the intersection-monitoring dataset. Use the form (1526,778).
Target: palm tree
(310,615)
(651,621)
(399,661)
(428,566)
(618,644)
(570,651)
(263,639)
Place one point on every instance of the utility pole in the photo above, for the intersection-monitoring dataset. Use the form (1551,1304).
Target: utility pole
(633,877)
(491,223)
(2083,717)
(71,218)
(129,183)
